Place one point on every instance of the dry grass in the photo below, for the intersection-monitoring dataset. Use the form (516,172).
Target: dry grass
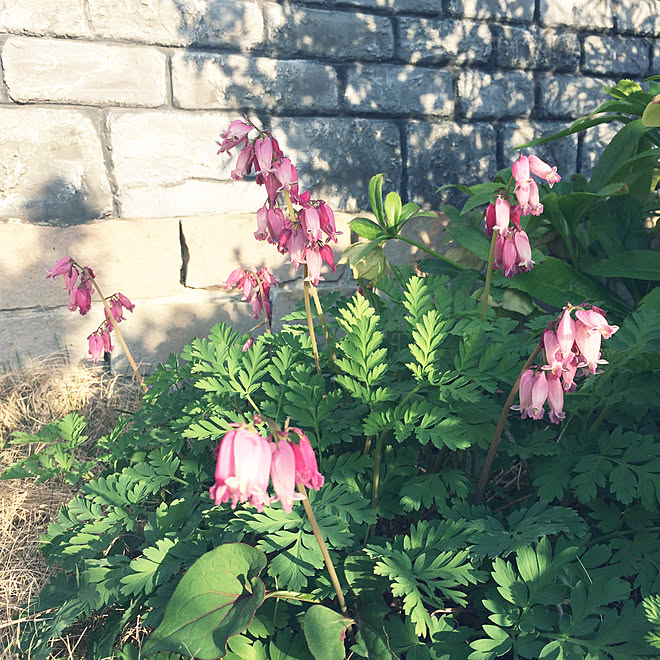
(30,398)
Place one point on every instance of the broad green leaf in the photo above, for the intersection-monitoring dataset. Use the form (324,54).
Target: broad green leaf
(471,238)
(651,116)
(635,264)
(376,198)
(366,228)
(392,209)
(477,200)
(556,283)
(324,631)
(215,599)
(623,145)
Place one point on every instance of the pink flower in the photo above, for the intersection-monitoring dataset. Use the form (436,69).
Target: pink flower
(490,219)
(555,399)
(282,474)
(314,262)
(566,333)
(509,257)
(107,341)
(125,302)
(236,134)
(286,174)
(95,347)
(523,251)
(502,215)
(242,469)
(554,361)
(62,266)
(539,394)
(262,224)
(244,163)
(311,223)
(83,300)
(525,394)
(263,149)
(249,279)
(589,344)
(568,375)
(328,256)
(307,472)
(596,322)
(327,219)
(499,248)
(543,170)
(247,345)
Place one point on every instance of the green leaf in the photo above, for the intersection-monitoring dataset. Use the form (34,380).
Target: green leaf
(392,209)
(651,116)
(623,145)
(470,238)
(367,228)
(324,631)
(215,599)
(636,264)
(376,198)
(556,283)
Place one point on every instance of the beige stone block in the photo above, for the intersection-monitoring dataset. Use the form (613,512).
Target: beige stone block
(217,244)
(166,163)
(44,17)
(233,23)
(52,166)
(83,72)
(140,258)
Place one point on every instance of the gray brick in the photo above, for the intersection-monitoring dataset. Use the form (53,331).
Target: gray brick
(221,23)
(83,72)
(567,96)
(204,80)
(336,158)
(594,142)
(561,153)
(400,90)
(637,16)
(615,55)
(441,41)
(165,164)
(655,56)
(533,48)
(447,152)
(52,166)
(294,30)
(44,17)
(485,95)
(577,13)
(512,10)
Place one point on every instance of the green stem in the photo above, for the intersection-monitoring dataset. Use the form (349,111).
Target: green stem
(433,253)
(328,340)
(379,450)
(489,273)
(485,471)
(310,322)
(115,327)
(367,445)
(323,547)
(292,595)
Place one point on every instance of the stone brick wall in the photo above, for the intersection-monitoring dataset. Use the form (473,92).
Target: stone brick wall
(109,111)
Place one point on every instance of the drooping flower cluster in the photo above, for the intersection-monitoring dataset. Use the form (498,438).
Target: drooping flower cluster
(78,282)
(575,344)
(304,233)
(246,462)
(256,287)
(513,253)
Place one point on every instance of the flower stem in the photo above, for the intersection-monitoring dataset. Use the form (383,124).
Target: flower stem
(489,273)
(379,450)
(310,323)
(319,311)
(115,327)
(485,471)
(323,547)
(433,253)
